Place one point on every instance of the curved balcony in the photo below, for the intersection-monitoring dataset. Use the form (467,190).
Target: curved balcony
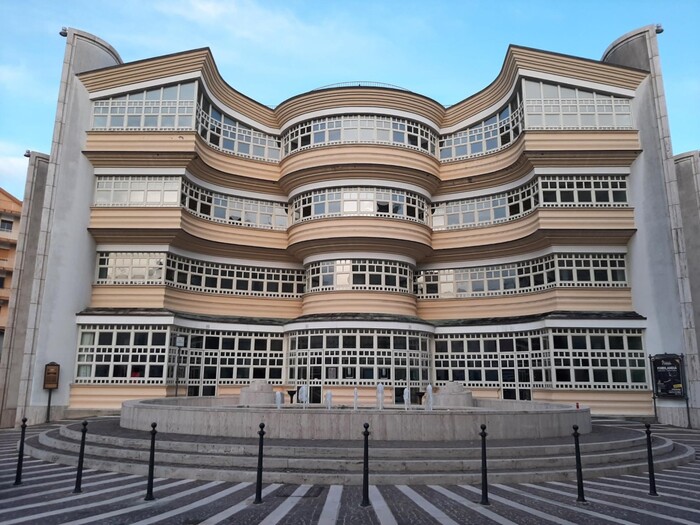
(357,234)
(161,296)
(337,302)
(557,299)
(613,226)
(177,226)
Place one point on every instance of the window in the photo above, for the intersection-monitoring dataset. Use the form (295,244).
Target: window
(6,225)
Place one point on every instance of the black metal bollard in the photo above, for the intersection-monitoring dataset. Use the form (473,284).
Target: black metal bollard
(151,464)
(650,460)
(81,457)
(579,469)
(365,469)
(258,482)
(20,456)
(484,474)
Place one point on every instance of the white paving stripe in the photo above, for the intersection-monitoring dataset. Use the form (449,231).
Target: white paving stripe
(288,504)
(10,461)
(615,505)
(71,498)
(634,489)
(131,495)
(428,507)
(33,477)
(225,514)
(645,483)
(692,468)
(556,519)
(651,499)
(53,483)
(674,480)
(380,508)
(477,507)
(331,507)
(573,508)
(198,503)
(34,469)
(71,487)
(101,517)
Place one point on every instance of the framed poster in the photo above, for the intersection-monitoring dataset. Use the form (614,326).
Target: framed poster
(668,375)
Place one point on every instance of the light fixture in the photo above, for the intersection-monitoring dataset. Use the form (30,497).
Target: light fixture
(63,31)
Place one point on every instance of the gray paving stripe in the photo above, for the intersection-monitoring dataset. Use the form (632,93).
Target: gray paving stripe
(70,487)
(13,461)
(90,505)
(425,505)
(635,489)
(97,518)
(690,482)
(470,504)
(288,504)
(691,468)
(72,497)
(568,506)
(645,483)
(650,499)
(331,507)
(523,508)
(196,504)
(224,514)
(615,505)
(31,478)
(381,509)
(36,469)
(53,483)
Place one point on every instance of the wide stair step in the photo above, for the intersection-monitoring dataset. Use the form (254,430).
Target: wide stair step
(605,452)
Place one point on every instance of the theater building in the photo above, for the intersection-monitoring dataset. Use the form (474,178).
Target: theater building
(520,242)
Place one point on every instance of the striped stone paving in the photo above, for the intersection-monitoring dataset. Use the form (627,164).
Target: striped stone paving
(46,497)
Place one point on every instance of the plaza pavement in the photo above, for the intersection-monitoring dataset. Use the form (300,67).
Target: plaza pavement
(46,497)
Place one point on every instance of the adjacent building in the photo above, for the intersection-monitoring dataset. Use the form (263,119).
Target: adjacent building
(10,211)
(184,239)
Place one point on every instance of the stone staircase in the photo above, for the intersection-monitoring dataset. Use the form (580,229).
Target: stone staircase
(607,451)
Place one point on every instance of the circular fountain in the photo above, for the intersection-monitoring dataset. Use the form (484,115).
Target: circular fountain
(455,415)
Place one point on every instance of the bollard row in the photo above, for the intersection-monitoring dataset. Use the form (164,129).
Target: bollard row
(365,470)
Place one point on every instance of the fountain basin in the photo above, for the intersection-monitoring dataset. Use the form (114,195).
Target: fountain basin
(218,416)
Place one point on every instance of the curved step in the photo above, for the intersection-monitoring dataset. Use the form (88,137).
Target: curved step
(341,465)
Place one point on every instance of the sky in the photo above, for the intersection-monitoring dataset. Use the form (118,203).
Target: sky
(271,50)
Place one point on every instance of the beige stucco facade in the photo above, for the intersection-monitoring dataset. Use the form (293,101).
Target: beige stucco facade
(355,235)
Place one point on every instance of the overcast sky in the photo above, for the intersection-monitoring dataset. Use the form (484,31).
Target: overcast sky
(272,50)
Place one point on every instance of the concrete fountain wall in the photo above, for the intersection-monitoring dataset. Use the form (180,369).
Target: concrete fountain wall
(219,416)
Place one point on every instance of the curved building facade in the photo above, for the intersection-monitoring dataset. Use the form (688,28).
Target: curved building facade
(351,236)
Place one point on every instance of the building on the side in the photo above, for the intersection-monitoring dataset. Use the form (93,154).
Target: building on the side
(523,242)
(10,212)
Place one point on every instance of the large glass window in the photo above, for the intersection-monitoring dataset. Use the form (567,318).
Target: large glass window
(491,134)
(137,191)
(122,354)
(229,135)
(552,106)
(218,207)
(545,191)
(367,129)
(550,271)
(376,202)
(359,274)
(395,358)
(135,268)
(160,108)
(516,362)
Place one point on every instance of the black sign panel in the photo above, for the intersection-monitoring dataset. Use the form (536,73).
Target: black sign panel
(668,375)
